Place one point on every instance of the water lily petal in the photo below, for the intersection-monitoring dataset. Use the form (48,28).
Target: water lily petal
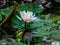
(18,17)
(34,18)
(30,15)
(21,13)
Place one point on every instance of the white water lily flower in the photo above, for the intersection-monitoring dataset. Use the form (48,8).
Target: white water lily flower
(27,16)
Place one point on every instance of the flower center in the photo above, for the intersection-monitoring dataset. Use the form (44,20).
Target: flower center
(25,19)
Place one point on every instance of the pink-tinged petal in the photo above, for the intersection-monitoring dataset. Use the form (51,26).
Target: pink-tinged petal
(26,20)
